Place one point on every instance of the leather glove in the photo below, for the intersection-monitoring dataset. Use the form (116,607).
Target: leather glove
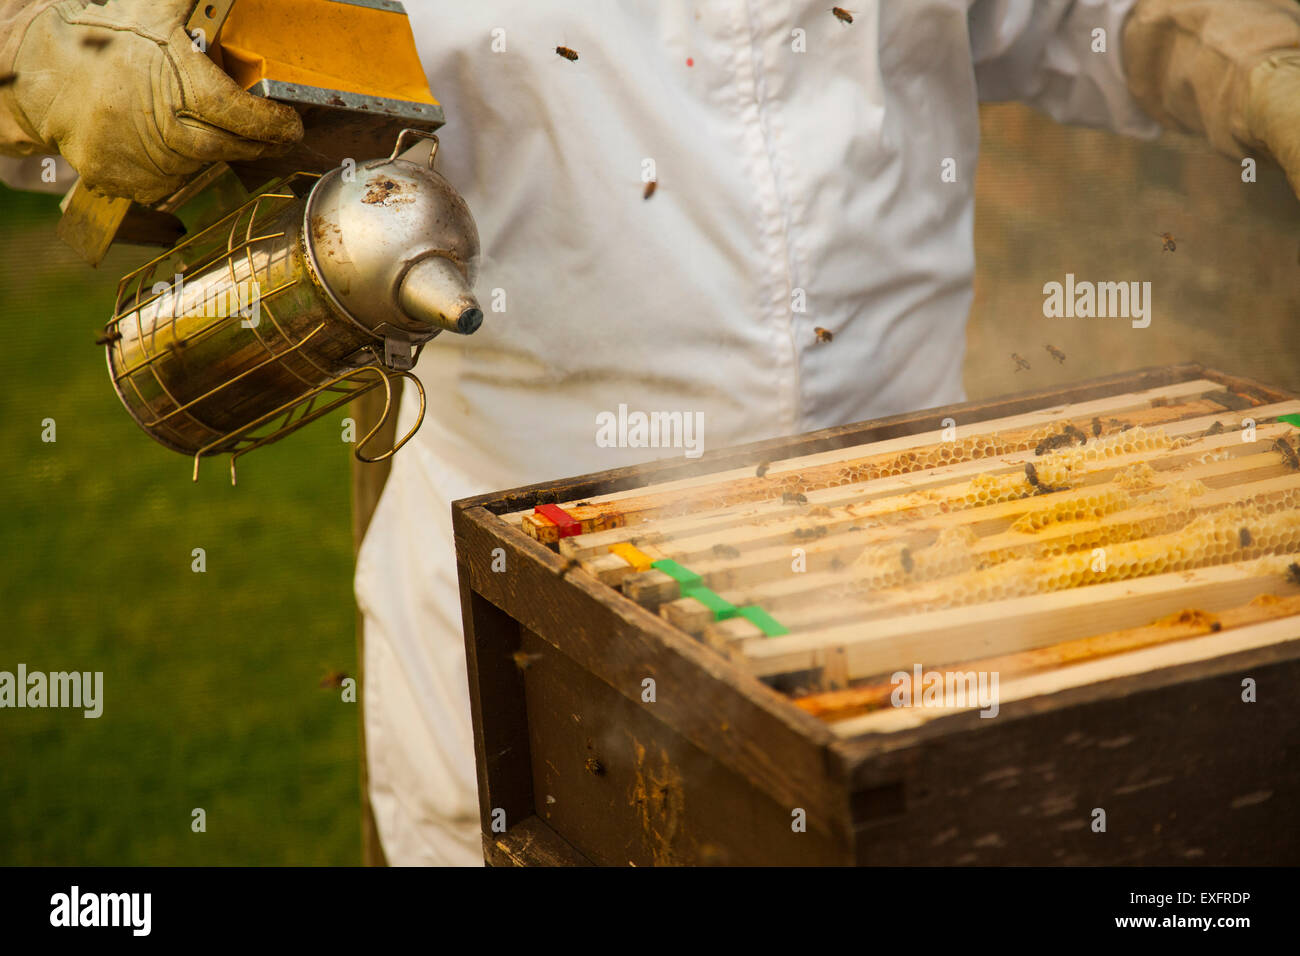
(1273,111)
(1227,69)
(120,91)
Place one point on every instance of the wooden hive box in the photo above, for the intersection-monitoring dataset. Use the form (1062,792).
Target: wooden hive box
(1129,593)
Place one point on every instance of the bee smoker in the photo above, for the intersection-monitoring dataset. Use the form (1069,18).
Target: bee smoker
(316,290)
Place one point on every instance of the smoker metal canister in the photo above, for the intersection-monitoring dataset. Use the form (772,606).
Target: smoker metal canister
(317,288)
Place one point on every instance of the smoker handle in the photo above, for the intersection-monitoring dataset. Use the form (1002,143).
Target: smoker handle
(391,408)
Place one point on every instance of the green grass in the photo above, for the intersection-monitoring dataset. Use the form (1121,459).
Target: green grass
(211,695)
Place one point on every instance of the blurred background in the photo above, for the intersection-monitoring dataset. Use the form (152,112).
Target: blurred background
(213,693)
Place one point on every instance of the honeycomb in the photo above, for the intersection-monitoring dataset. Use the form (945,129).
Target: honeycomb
(890,566)
(1088,505)
(1235,533)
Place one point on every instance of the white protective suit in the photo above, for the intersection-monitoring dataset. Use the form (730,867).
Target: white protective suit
(781,166)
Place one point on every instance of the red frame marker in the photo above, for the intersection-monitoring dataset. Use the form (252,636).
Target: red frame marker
(567,523)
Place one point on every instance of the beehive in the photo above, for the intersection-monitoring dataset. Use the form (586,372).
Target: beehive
(1063,547)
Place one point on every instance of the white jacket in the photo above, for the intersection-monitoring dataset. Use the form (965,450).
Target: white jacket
(799,161)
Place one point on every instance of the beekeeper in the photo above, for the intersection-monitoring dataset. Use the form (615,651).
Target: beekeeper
(812,172)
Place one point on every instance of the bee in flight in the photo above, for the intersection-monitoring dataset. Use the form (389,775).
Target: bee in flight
(844,16)
(1057,354)
(1169,245)
(763,466)
(1019,360)
(650,188)
(568,54)
(523,660)
(823,335)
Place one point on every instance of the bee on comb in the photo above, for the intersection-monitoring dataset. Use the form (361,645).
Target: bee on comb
(1283,447)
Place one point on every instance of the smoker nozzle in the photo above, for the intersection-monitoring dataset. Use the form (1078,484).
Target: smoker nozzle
(434,290)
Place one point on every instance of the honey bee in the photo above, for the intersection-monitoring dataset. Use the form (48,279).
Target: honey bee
(793,498)
(96,43)
(594,766)
(1031,476)
(108,338)
(1057,354)
(1076,434)
(1244,537)
(844,16)
(1215,429)
(1051,443)
(1293,573)
(333,679)
(1169,244)
(805,534)
(1096,427)
(7,79)
(824,335)
(565,52)
(650,188)
(524,660)
(1216,627)
(763,466)
(726,551)
(908,564)
(1019,360)
(1282,446)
